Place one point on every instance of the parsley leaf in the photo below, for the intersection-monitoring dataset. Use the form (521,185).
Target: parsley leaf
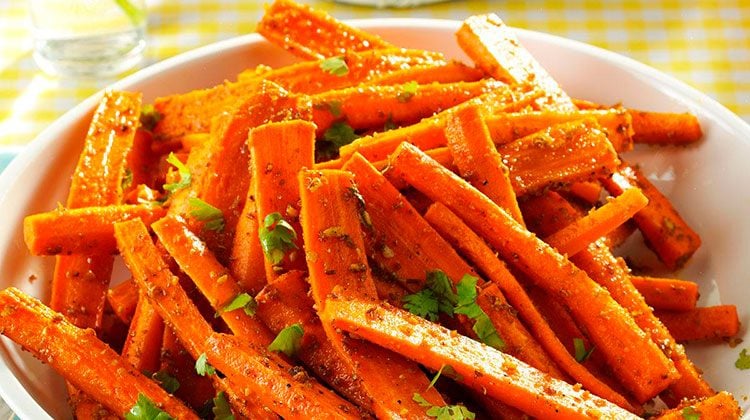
(202,366)
(423,303)
(182,170)
(743,361)
(340,134)
(207,213)
(690,413)
(335,66)
(277,237)
(486,331)
(407,91)
(581,354)
(145,409)
(448,371)
(244,301)
(467,305)
(440,284)
(448,412)
(168,382)
(150,117)
(436,297)
(288,340)
(221,408)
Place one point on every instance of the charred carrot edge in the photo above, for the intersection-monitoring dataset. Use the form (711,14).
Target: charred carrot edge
(85,230)
(176,361)
(278,151)
(494,47)
(576,236)
(450,72)
(665,128)
(371,107)
(481,367)
(285,302)
(616,124)
(336,260)
(107,378)
(313,34)
(478,160)
(143,342)
(642,367)
(667,294)
(476,250)
(720,406)
(211,278)
(705,323)
(123,299)
(604,268)
(665,232)
(401,241)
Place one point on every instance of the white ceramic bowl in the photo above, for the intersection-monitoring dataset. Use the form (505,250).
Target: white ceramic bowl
(707,182)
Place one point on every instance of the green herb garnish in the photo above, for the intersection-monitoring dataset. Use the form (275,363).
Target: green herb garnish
(448,412)
(277,237)
(221,408)
(581,354)
(213,217)
(288,340)
(407,91)
(203,367)
(243,301)
(145,409)
(743,361)
(182,170)
(335,66)
(168,382)
(340,134)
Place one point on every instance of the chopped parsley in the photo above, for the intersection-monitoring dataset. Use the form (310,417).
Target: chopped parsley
(690,413)
(334,107)
(145,409)
(467,305)
(581,354)
(448,371)
(743,361)
(221,408)
(168,382)
(242,301)
(407,91)
(335,66)
(150,117)
(340,134)
(182,170)
(423,303)
(277,237)
(447,412)
(202,366)
(288,340)
(213,217)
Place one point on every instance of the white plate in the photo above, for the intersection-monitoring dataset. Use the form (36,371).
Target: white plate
(707,182)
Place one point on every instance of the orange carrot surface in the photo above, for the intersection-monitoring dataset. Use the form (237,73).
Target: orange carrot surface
(667,294)
(123,299)
(721,406)
(705,323)
(665,128)
(143,342)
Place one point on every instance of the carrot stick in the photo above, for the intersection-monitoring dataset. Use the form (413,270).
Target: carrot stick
(123,299)
(665,128)
(616,124)
(284,302)
(481,367)
(495,48)
(331,216)
(618,236)
(450,72)
(721,406)
(576,236)
(588,191)
(85,230)
(705,323)
(477,251)
(278,151)
(313,34)
(667,294)
(371,107)
(213,280)
(401,242)
(665,232)
(642,367)
(478,160)
(176,362)
(108,378)
(143,342)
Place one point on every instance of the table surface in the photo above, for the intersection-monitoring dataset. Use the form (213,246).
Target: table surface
(703,43)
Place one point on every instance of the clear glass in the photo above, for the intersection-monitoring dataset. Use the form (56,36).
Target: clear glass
(88,37)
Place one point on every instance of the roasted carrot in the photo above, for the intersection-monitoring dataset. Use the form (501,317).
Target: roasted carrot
(642,367)
(665,128)
(176,362)
(278,151)
(85,230)
(478,160)
(143,342)
(331,219)
(481,367)
(587,191)
(721,406)
(487,262)
(667,294)
(705,323)
(450,72)
(665,232)
(108,378)
(313,34)
(615,123)
(618,236)
(284,302)
(495,48)
(576,236)
(371,107)
(123,299)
